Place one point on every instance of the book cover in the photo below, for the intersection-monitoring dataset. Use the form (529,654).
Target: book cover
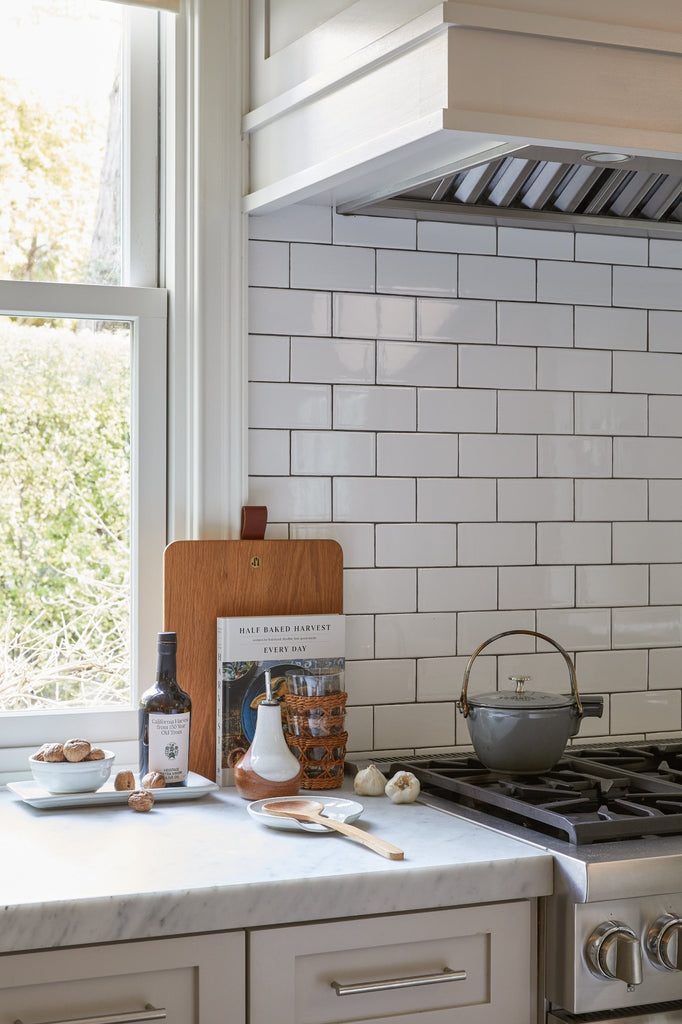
(249,645)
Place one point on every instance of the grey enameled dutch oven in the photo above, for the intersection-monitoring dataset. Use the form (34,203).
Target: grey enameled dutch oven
(524,732)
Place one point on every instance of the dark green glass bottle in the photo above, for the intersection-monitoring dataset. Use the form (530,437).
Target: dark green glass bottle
(165,715)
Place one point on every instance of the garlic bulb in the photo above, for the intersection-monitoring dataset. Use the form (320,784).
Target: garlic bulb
(369,782)
(403,788)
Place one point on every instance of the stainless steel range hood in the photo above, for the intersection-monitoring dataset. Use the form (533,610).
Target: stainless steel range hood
(547,113)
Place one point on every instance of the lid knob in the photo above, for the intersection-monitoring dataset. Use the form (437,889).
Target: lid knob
(519,680)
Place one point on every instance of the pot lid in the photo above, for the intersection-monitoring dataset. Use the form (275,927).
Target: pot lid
(521,699)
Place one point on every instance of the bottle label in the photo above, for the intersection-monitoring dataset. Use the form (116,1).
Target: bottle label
(169,745)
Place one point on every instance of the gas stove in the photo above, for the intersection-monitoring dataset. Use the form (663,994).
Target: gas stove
(611,815)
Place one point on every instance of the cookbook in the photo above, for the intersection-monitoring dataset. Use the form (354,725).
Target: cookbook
(248,646)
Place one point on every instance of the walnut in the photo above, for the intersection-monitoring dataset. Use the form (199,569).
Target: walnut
(76,750)
(154,780)
(124,780)
(53,752)
(40,753)
(141,800)
(96,754)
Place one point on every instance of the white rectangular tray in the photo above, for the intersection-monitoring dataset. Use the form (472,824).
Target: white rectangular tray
(31,793)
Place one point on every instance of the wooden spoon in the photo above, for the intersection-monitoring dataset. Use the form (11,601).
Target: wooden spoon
(309,810)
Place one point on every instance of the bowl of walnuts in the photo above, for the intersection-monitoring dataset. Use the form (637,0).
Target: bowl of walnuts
(75,766)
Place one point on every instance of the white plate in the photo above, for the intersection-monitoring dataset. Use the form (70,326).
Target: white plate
(33,794)
(334,807)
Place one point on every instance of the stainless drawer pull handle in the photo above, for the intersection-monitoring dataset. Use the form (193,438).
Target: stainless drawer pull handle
(386,986)
(136,1017)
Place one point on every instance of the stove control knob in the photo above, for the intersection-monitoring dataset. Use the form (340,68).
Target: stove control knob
(664,942)
(613,952)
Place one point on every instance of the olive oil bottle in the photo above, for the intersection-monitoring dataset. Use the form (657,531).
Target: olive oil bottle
(165,714)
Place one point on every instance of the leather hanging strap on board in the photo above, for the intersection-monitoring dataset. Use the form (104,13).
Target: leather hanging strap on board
(254,521)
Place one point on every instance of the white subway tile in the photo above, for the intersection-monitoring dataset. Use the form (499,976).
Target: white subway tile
(469,320)
(646,288)
(441,678)
(647,457)
(656,373)
(373,499)
(269,453)
(606,500)
(608,671)
(290,498)
(659,626)
(268,357)
(606,586)
(494,277)
(496,544)
(332,360)
(573,370)
(440,236)
(416,544)
(282,311)
(496,366)
(332,453)
(647,542)
(360,728)
(610,414)
(497,455)
(574,283)
(377,591)
(534,323)
(594,248)
(418,455)
(665,331)
(300,223)
(375,408)
(536,243)
(455,590)
(416,636)
(665,499)
(419,364)
(457,409)
(603,327)
(665,668)
(574,456)
(289,405)
(332,267)
(456,500)
(576,629)
(372,316)
(414,725)
(574,543)
(534,500)
(474,628)
(356,540)
(269,264)
(416,273)
(381,682)
(535,412)
(359,637)
(665,253)
(652,711)
(666,585)
(665,415)
(388,232)
(546,672)
(536,586)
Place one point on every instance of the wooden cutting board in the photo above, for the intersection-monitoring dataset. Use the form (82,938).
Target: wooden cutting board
(205,579)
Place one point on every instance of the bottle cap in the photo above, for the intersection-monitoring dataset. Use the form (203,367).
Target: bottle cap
(168,638)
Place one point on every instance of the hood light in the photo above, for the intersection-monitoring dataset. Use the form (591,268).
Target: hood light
(606,159)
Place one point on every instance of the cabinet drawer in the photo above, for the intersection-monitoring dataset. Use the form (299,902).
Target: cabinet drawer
(297,972)
(192,979)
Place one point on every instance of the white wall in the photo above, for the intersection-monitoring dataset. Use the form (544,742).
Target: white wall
(489,421)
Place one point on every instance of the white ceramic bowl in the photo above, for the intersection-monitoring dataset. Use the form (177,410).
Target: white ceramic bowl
(72,776)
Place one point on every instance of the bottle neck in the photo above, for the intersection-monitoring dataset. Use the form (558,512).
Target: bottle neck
(166,671)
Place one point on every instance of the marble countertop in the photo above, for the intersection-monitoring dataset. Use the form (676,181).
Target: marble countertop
(105,874)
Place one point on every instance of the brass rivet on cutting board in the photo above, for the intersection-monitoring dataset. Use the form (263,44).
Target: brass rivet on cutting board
(255,562)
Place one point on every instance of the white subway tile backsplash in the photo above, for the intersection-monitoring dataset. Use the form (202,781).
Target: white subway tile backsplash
(377,591)
(665,253)
(268,358)
(665,331)
(452,410)
(650,712)
(444,237)
(418,455)
(374,499)
(333,360)
(333,267)
(647,373)
(359,637)
(418,364)
(416,273)
(416,544)
(282,311)
(497,455)
(665,668)
(290,405)
(557,245)
(332,453)
(573,370)
(456,500)
(441,678)
(603,327)
(665,499)
(608,586)
(606,500)
(387,232)
(534,500)
(535,412)
(576,629)
(647,457)
(474,628)
(588,285)
(534,323)
(611,671)
(496,544)
(647,626)
(574,456)
(302,223)
(594,248)
(610,414)
(432,635)
(537,586)
(666,584)
(496,367)
(289,498)
(381,682)
(574,543)
(269,452)
(467,320)
(355,539)
(494,277)
(410,725)
(375,408)
(455,590)
(646,287)
(665,415)
(372,316)
(546,672)
(647,542)
(269,264)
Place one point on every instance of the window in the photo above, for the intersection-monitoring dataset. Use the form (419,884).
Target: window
(83,336)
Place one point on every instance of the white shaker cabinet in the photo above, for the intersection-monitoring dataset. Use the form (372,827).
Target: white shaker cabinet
(193,980)
(469,965)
